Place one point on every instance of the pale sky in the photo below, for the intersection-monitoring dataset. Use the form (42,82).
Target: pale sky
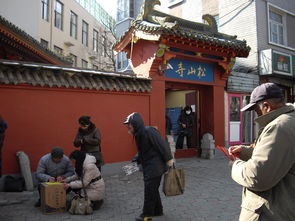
(110,6)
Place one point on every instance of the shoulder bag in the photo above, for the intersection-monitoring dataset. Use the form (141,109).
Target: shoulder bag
(81,205)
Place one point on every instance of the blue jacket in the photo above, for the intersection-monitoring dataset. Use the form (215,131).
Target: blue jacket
(47,168)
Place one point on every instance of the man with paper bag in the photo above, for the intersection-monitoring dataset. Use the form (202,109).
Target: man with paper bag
(154,155)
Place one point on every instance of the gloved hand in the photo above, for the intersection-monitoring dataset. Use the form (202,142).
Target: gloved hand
(170,162)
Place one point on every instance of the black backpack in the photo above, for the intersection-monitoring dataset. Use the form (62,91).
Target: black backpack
(14,184)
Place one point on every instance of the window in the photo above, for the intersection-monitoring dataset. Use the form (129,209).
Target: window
(58,12)
(122,61)
(44,43)
(57,50)
(276,27)
(74,59)
(125,9)
(131,8)
(45,10)
(104,46)
(95,40)
(122,11)
(73,25)
(247,122)
(84,64)
(84,33)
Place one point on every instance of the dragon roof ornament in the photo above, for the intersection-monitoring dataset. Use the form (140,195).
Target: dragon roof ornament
(150,14)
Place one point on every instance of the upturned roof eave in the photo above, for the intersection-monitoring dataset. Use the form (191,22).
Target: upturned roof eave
(124,41)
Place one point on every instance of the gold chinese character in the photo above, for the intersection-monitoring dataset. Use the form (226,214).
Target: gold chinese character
(201,71)
(191,71)
(180,70)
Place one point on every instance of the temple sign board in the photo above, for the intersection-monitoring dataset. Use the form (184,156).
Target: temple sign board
(190,70)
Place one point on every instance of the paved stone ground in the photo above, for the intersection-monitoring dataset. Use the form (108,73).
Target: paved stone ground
(210,195)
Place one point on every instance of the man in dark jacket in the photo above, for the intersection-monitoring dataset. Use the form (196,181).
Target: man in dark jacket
(3,127)
(154,155)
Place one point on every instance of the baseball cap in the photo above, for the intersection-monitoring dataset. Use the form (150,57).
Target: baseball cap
(263,92)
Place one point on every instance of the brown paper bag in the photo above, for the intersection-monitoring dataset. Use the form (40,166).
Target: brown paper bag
(174,181)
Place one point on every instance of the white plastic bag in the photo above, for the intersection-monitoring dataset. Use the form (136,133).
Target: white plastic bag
(130,168)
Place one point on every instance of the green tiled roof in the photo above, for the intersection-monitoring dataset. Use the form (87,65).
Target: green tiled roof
(214,38)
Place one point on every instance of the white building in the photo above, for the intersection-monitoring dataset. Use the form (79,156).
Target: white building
(80,29)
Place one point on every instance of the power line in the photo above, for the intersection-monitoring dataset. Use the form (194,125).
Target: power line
(244,7)
(236,9)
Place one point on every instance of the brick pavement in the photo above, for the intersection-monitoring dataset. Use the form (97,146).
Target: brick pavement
(210,195)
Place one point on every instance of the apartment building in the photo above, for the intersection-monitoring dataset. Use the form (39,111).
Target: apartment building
(80,29)
(267,27)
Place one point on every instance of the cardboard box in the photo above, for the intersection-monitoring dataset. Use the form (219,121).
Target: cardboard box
(53,198)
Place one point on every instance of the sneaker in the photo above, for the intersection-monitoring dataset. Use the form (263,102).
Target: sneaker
(143,218)
(38,203)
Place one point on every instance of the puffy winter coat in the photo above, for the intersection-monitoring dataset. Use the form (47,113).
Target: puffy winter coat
(95,190)
(48,168)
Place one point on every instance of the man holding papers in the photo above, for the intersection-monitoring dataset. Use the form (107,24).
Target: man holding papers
(266,169)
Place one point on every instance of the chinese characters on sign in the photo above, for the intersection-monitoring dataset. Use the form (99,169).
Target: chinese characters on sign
(281,63)
(190,70)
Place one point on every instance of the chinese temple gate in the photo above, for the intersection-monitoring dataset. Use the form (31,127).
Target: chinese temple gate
(189,64)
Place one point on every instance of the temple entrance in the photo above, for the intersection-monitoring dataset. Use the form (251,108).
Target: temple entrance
(176,101)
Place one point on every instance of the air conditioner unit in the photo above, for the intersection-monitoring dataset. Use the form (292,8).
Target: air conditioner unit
(68,43)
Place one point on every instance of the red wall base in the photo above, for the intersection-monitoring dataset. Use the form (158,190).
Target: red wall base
(187,153)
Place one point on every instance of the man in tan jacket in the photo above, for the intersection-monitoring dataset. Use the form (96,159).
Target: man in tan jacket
(267,170)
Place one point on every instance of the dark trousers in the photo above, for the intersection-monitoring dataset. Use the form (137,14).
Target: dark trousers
(0,161)
(179,141)
(152,200)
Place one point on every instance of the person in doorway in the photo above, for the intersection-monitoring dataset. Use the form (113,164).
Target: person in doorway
(53,167)
(266,171)
(186,124)
(88,138)
(154,155)
(89,175)
(3,127)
